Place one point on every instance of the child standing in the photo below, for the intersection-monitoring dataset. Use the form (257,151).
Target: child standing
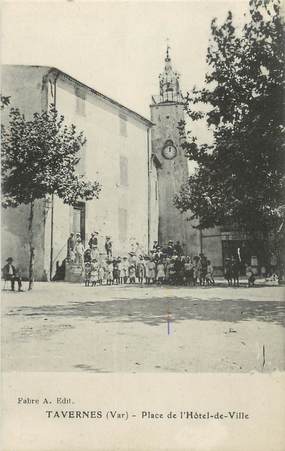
(160,272)
(101,273)
(167,263)
(210,274)
(124,270)
(110,269)
(188,267)
(87,272)
(196,270)
(151,268)
(147,277)
(119,270)
(94,276)
(172,272)
(141,269)
(116,275)
(132,273)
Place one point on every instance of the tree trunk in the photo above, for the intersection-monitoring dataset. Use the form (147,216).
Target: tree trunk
(278,253)
(32,249)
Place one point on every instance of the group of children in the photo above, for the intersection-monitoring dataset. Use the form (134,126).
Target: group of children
(175,270)
(164,265)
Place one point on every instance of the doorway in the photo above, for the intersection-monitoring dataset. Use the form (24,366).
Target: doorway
(78,220)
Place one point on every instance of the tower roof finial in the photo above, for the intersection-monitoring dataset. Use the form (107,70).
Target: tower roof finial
(169,89)
(167,50)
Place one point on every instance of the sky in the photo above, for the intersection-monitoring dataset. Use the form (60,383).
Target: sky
(118,48)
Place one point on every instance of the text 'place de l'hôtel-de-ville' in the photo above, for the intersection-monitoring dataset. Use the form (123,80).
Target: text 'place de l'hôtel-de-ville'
(138,162)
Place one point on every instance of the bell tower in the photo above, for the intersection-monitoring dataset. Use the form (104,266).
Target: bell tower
(167,110)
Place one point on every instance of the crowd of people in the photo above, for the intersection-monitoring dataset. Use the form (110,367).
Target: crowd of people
(163,265)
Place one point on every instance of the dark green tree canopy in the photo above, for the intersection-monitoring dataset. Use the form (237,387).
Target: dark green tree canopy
(39,158)
(240,177)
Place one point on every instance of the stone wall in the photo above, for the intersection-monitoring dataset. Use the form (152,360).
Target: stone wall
(24,85)
(116,156)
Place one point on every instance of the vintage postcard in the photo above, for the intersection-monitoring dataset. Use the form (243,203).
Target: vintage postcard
(143,272)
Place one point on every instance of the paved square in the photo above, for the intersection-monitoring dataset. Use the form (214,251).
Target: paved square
(69,327)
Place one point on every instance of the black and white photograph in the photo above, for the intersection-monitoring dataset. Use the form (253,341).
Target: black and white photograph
(142,167)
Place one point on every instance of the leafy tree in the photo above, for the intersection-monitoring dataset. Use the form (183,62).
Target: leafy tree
(39,158)
(240,176)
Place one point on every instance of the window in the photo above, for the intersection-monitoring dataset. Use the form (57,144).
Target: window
(123,224)
(123,125)
(80,101)
(124,171)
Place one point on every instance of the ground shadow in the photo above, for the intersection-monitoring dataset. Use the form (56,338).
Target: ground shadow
(155,311)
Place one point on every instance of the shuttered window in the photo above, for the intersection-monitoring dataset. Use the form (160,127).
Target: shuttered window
(80,101)
(123,125)
(123,224)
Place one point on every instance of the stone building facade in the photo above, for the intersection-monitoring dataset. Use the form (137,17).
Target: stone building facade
(139,163)
(167,111)
(117,154)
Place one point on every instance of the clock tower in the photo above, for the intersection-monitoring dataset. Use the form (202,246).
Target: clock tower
(167,110)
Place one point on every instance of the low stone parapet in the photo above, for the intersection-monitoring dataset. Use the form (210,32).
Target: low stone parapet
(74,272)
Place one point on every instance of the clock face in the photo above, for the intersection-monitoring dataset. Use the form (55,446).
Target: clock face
(169,151)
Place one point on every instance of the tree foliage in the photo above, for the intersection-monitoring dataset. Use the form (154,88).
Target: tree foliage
(40,157)
(240,177)
(4,101)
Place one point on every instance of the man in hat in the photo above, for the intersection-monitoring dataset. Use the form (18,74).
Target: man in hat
(93,239)
(10,273)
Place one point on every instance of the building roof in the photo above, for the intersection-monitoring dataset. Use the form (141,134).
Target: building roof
(123,108)
(49,70)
